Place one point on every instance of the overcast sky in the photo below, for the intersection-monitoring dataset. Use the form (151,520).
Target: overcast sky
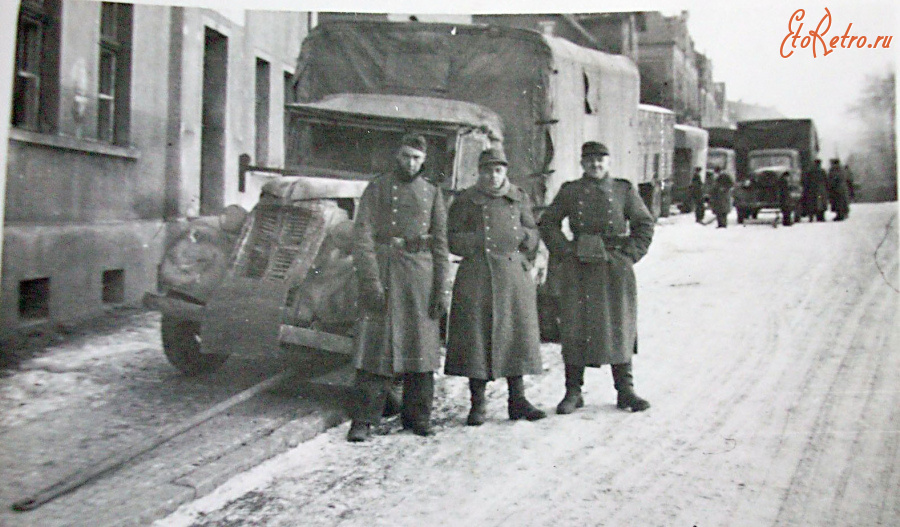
(742,37)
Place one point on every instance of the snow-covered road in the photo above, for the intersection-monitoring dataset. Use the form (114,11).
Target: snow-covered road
(771,357)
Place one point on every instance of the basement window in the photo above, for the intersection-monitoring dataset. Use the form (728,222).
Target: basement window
(114,286)
(34,299)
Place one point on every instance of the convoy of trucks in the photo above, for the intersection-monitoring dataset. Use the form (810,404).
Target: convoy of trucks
(280,276)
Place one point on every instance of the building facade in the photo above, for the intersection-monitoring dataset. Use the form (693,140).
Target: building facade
(125,120)
(668,66)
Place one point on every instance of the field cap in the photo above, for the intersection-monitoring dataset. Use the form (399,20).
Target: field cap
(492,156)
(593,148)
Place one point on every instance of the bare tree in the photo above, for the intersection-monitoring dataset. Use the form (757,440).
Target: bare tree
(874,160)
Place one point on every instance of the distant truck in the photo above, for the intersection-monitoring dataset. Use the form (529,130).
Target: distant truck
(657,147)
(772,155)
(721,155)
(691,149)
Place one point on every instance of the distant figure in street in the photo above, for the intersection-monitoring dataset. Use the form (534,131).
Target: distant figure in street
(697,194)
(838,193)
(402,262)
(612,231)
(851,183)
(721,199)
(493,328)
(814,202)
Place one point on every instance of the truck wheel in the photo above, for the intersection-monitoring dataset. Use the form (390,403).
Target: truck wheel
(181,344)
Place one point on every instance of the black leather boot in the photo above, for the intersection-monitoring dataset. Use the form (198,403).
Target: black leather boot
(418,393)
(394,399)
(359,432)
(368,404)
(573,399)
(624,383)
(478,412)
(518,405)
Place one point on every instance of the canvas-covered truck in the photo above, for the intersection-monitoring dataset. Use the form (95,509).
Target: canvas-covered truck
(691,148)
(551,94)
(721,155)
(772,156)
(657,147)
(279,280)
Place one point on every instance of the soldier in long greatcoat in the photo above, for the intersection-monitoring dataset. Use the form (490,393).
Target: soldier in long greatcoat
(612,231)
(720,200)
(401,257)
(838,192)
(814,201)
(493,327)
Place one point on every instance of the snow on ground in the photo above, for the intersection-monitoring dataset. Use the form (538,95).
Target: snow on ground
(770,356)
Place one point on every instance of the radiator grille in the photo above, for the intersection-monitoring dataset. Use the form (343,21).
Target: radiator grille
(278,236)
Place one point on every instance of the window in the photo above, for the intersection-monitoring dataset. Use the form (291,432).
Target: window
(36,83)
(262,112)
(114,88)
(34,299)
(113,286)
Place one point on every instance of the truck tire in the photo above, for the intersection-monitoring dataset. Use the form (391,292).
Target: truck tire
(181,344)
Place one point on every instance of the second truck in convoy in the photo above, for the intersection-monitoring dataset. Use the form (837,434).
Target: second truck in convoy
(772,156)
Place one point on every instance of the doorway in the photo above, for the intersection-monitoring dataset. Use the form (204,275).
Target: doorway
(212,138)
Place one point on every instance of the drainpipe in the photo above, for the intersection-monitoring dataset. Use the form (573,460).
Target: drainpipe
(7,42)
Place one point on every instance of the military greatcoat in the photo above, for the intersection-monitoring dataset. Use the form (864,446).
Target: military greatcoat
(401,338)
(598,300)
(493,328)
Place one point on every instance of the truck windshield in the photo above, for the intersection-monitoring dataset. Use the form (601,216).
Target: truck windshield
(358,150)
(771,160)
(717,160)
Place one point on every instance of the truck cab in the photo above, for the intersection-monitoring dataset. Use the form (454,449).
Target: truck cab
(723,159)
(279,279)
(772,181)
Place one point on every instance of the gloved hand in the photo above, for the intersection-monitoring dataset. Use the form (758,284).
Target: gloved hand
(372,298)
(439,306)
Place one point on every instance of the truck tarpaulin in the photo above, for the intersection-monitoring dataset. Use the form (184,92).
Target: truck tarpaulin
(551,94)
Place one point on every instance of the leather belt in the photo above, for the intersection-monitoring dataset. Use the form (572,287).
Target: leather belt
(411,244)
(611,242)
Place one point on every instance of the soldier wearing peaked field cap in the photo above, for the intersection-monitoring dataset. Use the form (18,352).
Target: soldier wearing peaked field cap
(593,148)
(493,330)
(401,259)
(492,156)
(598,303)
